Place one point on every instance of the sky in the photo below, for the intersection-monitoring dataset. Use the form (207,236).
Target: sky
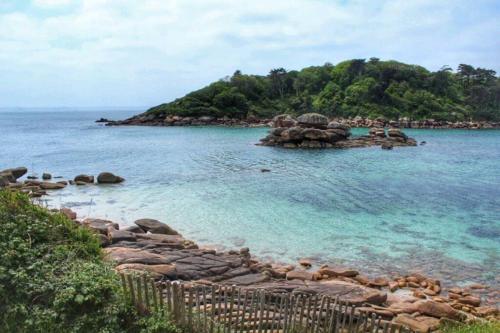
(89,53)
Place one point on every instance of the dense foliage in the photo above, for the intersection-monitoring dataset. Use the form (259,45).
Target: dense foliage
(52,278)
(357,87)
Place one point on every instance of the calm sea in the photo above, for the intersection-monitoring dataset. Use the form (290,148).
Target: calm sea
(434,208)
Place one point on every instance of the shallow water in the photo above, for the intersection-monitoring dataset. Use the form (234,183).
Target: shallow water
(434,208)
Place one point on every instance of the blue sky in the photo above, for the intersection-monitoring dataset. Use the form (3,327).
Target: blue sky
(145,52)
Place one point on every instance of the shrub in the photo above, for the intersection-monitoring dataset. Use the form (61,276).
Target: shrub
(53,279)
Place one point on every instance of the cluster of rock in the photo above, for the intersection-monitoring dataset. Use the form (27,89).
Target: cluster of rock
(416,301)
(35,188)
(170,120)
(149,119)
(313,130)
(407,123)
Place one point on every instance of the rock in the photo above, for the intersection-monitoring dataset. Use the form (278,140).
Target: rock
(155,227)
(293,134)
(337,125)
(15,172)
(80,183)
(249,279)
(157,271)
(485,311)
(338,271)
(470,300)
(84,178)
(4,181)
(305,262)
(51,186)
(68,213)
(403,307)
(46,176)
(135,229)
(315,120)
(347,291)
(387,145)
(420,324)
(396,132)
(116,236)
(99,225)
(300,275)
(379,282)
(387,314)
(315,134)
(108,178)
(283,120)
(438,310)
(393,286)
(103,240)
(124,255)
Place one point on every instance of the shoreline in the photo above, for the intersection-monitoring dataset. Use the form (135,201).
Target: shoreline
(155,248)
(357,122)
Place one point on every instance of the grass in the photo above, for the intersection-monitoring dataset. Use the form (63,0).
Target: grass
(489,327)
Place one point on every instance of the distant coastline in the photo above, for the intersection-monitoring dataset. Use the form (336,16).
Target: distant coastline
(356,122)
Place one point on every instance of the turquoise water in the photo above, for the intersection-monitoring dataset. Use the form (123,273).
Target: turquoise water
(434,208)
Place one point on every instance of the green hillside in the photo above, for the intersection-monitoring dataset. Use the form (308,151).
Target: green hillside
(357,87)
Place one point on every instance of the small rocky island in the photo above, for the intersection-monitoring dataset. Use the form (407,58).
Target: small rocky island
(313,130)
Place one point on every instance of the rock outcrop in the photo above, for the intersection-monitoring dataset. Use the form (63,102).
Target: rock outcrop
(313,130)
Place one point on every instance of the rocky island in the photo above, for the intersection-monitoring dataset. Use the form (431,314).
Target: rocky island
(313,130)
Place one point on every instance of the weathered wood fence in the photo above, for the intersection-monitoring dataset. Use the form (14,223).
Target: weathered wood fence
(221,309)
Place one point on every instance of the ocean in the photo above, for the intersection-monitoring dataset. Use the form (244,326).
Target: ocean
(434,208)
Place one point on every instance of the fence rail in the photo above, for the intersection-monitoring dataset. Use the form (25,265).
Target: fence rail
(228,309)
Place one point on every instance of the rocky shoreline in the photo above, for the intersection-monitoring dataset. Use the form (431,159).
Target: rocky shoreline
(414,300)
(312,130)
(356,122)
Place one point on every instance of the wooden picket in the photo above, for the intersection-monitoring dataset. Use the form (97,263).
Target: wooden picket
(221,309)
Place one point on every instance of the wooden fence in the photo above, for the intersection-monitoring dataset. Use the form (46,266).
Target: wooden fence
(221,309)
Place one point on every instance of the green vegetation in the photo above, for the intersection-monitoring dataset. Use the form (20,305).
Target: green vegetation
(489,327)
(52,277)
(357,87)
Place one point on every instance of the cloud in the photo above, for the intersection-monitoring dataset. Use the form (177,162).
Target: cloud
(103,52)
(52,3)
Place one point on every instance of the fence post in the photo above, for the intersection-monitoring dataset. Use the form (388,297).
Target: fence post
(131,288)
(212,318)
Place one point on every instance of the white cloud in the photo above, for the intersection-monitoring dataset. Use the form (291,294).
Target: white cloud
(52,3)
(145,52)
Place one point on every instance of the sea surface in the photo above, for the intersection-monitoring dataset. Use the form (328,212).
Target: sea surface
(434,208)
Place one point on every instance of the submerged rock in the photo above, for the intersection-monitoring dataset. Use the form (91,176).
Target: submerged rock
(109,178)
(84,178)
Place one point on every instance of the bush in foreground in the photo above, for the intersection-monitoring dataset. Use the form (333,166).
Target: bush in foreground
(53,279)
